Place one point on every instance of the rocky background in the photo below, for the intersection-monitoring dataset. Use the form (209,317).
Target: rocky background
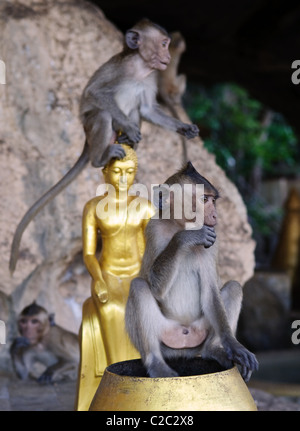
(50,49)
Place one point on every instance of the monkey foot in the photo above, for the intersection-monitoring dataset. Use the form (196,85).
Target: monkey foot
(181,337)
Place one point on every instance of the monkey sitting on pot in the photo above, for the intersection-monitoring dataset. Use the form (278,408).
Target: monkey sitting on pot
(177,307)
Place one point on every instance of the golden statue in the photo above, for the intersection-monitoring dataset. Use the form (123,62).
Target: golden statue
(121,223)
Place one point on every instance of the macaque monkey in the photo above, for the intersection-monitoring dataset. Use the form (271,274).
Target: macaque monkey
(120,94)
(44,342)
(171,86)
(177,307)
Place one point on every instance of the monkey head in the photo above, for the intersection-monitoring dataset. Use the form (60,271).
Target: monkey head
(152,41)
(33,323)
(202,206)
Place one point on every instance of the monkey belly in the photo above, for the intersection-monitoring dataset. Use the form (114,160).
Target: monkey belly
(181,337)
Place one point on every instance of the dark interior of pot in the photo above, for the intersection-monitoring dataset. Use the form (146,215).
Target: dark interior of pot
(184,367)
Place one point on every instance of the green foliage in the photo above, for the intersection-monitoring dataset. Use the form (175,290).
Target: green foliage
(238,135)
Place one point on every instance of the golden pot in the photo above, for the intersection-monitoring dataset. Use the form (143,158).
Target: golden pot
(202,386)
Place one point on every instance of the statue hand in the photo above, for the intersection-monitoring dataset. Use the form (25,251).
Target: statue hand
(101,291)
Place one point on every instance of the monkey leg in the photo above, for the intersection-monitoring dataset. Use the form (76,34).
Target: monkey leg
(231,295)
(144,323)
(99,134)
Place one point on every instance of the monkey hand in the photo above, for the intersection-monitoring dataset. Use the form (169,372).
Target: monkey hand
(19,343)
(238,354)
(130,132)
(101,291)
(113,151)
(46,377)
(123,139)
(189,131)
(205,236)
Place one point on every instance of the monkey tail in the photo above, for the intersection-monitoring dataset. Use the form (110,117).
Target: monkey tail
(42,201)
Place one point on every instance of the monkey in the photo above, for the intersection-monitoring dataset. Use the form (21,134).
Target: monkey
(171,86)
(118,96)
(44,342)
(177,306)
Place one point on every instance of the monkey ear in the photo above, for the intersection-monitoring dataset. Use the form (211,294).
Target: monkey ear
(189,168)
(132,39)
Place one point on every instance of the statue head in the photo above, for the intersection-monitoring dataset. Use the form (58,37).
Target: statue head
(121,173)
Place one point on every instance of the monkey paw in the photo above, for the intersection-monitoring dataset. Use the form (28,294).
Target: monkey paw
(189,131)
(113,151)
(46,377)
(20,342)
(130,133)
(124,139)
(245,359)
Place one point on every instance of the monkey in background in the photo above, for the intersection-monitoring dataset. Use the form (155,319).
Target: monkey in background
(120,94)
(177,306)
(42,341)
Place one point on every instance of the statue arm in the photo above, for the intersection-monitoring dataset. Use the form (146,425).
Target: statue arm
(149,212)
(89,239)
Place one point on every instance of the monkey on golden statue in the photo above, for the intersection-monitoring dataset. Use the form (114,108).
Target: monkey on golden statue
(120,94)
(177,306)
(43,342)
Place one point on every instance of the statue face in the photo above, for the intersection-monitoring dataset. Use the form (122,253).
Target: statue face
(121,174)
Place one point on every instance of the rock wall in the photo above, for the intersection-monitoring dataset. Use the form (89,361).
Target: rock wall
(50,49)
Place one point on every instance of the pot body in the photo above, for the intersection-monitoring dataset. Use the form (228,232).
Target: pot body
(125,387)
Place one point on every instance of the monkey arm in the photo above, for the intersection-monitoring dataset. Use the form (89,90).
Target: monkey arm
(154,114)
(213,307)
(17,351)
(56,372)
(167,248)
(163,269)
(214,310)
